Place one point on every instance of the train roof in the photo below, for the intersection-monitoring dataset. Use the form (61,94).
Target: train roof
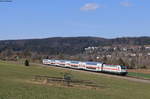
(114,65)
(75,62)
(93,63)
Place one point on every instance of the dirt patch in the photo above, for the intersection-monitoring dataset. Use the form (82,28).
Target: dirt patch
(60,82)
(56,84)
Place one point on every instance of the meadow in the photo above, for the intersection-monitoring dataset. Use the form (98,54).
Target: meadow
(16,82)
(140,75)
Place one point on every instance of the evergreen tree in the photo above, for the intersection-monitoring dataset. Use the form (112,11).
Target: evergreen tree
(26,63)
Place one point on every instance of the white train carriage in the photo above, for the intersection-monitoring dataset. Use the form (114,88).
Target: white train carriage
(67,63)
(46,61)
(82,65)
(117,69)
(57,62)
(111,68)
(62,63)
(52,62)
(93,66)
(74,64)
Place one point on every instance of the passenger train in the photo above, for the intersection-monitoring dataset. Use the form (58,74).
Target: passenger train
(90,66)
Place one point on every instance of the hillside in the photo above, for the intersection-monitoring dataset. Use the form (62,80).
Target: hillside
(17,82)
(66,45)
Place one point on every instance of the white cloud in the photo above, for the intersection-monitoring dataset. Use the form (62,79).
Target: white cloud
(90,7)
(126,4)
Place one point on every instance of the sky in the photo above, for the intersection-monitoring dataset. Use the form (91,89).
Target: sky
(24,19)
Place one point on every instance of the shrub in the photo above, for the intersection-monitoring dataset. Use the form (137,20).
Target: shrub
(26,63)
(68,78)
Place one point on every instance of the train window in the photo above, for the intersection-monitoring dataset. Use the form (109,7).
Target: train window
(91,63)
(62,60)
(111,65)
(74,62)
(123,67)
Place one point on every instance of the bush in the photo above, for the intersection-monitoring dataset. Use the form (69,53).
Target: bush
(68,78)
(26,63)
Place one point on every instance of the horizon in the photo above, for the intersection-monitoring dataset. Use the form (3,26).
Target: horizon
(75,37)
(43,19)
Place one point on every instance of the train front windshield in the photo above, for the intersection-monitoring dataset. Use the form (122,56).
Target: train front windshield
(123,67)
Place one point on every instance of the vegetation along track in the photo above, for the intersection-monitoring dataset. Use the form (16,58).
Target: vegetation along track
(129,78)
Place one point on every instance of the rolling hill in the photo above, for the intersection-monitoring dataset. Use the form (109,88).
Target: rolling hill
(67,45)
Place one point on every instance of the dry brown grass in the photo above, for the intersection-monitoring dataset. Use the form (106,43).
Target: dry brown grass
(62,84)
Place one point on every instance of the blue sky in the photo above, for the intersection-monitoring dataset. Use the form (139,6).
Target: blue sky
(21,19)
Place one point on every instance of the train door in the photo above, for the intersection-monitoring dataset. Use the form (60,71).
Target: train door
(102,67)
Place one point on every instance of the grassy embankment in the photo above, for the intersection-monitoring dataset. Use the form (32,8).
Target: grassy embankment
(140,75)
(16,82)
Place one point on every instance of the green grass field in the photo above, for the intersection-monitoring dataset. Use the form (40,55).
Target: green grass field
(141,75)
(16,83)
